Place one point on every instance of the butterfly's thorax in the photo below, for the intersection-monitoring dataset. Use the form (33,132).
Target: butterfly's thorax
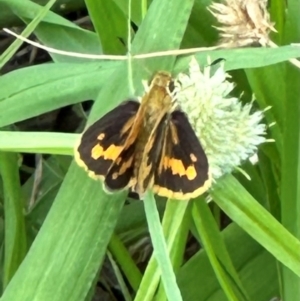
(155,105)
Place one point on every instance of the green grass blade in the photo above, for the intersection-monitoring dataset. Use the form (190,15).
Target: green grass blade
(177,213)
(39,89)
(149,282)
(15,234)
(290,205)
(11,50)
(200,31)
(262,84)
(290,188)
(133,216)
(255,266)
(138,9)
(120,279)
(126,263)
(110,24)
(160,249)
(241,58)
(55,30)
(37,142)
(240,206)
(172,221)
(78,226)
(217,252)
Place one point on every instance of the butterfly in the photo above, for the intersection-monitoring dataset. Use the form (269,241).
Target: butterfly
(146,145)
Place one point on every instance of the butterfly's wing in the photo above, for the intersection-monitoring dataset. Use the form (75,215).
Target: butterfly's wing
(183,170)
(103,143)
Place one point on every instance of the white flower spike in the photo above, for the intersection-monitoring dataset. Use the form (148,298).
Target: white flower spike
(228,131)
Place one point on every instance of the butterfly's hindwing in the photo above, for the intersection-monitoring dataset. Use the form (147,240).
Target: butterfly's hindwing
(183,169)
(120,174)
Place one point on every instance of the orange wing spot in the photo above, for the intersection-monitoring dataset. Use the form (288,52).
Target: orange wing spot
(178,168)
(191,172)
(101,136)
(111,153)
(166,163)
(97,152)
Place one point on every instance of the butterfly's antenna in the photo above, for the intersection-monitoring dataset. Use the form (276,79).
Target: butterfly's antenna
(129,61)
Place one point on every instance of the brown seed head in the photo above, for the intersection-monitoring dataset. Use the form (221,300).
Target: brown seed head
(243,22)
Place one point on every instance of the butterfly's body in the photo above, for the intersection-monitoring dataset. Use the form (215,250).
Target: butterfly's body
(156,105)
(147,145)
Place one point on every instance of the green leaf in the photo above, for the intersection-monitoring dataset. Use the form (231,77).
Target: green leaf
(125,261)
(36,90)
(240,58)
(57,32)
(110,24)
(41,188)
(160,249)
(262,84)
(120,279)
(241,207)
(15,235)
(138,9)
(200,30)
(11,50)
(176,213)
(36,142)
(79,225)
(290,188)
(174,217)
(255,266)
(217,252)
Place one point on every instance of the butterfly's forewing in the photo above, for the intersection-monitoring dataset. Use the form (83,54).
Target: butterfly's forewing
(183,171)
(103,142)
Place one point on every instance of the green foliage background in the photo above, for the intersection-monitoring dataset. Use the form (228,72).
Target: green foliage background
(257,257)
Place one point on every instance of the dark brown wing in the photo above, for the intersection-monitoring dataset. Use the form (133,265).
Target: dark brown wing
(183,171)
(104,141)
